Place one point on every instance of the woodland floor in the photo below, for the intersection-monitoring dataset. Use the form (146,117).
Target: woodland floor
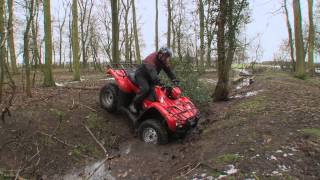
(274,134)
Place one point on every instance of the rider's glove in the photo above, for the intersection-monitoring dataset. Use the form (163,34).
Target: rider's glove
(157,81)
(175,82)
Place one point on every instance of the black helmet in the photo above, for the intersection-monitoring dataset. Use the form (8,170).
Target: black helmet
(166,51)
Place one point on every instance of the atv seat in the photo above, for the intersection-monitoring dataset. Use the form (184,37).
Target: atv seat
(131,77)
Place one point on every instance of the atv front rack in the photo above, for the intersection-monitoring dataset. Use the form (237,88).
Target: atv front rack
(181,113)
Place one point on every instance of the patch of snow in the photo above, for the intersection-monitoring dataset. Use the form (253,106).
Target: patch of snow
(285,155)
(272,157)
(258,155)
(231,170)
(248,94)
(59,84)
(210,178)
(293,149)
(279,151)
(283,168)
(101,172)
(203,175)
(276,173)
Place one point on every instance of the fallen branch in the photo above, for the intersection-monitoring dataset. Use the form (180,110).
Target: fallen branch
(99,143)
(195,167)
(98,167)
(80,88)
(22,168)
(58,140)
(87,107)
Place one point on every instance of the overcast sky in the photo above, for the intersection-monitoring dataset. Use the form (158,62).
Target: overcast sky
(270,26)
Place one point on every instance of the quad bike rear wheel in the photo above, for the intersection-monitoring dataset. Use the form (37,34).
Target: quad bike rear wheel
(151,131)
(109,97)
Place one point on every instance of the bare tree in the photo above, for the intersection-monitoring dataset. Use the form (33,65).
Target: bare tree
(35,48)
(85,18)
(201,19)
(230,16)
(2,46)
(126,6)
(115,31)
(26,54)
(75,42)
(169,9)
(48,76)
(311,39)
(135,31)
(289,28)
(61,26)
(157,26)
(300,64)
(11,44)
(210,27)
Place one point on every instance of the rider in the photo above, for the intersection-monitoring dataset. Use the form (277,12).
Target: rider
(147,75)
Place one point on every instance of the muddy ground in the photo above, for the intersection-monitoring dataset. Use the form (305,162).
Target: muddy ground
(271,130)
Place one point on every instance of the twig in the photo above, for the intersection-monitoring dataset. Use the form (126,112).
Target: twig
(80,88)
(92,135)
(22,168)
(17,174)
(198,164)
(88,107)
(97,168)
(58,140)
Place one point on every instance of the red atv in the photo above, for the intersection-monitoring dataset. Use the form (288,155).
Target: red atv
(164,112)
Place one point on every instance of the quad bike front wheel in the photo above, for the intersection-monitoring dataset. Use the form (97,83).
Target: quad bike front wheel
(151,131)
(109,97)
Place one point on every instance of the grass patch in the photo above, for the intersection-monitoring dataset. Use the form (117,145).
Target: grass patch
(228,159)
(93,121)
(315,132)
(252,105)
(215,173)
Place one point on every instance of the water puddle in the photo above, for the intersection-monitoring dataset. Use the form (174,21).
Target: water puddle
(247,94)
(94,171)
(209,81)
(245,83)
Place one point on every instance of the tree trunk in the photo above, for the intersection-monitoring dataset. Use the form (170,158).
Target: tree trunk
(179,36)
(26,55)
(169,24)
(209,41)
(157,27)
(221,91)
(48,76)
(115,32)
(311,40)
(300,70)
(201,18)
(61,26)
(173,44)
(136,35)
(2,46)
(291,43)
(34,30)
(227,13)
(11,44)
(126,7)
(75,42)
